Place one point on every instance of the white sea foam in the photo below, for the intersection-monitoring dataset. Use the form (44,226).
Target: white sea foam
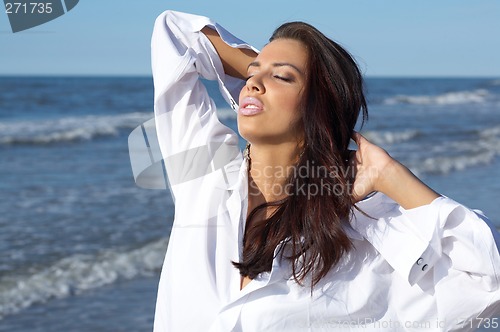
(390,137)
(77,128)
(444,165)
(68,128)
(450,98)
(448,156)
(465,154)
(75,274)
(490,132)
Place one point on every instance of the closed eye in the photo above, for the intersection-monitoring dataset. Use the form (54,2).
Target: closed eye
(285,79)
(282,78)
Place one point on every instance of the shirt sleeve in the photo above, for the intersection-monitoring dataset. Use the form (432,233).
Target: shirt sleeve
(192,141)
(443,248)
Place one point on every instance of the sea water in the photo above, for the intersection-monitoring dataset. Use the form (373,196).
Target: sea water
(82,246)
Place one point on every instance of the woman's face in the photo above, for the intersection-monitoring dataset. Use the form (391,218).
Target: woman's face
(271,101)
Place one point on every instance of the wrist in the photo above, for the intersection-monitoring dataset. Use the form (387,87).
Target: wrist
(387,178)
(400,184)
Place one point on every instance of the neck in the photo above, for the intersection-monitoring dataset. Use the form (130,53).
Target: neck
(269,169)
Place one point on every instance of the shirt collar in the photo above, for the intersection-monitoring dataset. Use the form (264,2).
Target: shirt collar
(237,173)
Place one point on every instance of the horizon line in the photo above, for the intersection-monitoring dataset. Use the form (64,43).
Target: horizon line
(151,76)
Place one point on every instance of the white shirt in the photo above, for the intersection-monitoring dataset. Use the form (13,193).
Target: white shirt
(432,267)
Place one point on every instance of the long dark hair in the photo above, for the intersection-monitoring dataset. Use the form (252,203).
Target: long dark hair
(312,225)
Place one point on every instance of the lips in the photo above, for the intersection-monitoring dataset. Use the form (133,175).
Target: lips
(250,106)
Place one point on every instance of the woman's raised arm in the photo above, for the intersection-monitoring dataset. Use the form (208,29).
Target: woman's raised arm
(377,171)
(234,60)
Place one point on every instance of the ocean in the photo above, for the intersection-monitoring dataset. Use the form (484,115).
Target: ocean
(82,246)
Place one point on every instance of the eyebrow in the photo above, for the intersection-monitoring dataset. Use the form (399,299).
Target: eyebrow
(277,64)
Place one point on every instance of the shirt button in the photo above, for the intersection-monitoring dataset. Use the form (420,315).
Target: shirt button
(424,267)
(420,261)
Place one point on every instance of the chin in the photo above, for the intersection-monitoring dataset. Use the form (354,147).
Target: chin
(247,129)
(246,133)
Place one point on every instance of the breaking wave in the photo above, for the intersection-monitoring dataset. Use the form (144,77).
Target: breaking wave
(390,137)
(68,129)
(445,165)
(75,274)
(482,150)
(449,98)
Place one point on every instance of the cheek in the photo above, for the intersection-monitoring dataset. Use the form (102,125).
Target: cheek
(288,99)
(293,105)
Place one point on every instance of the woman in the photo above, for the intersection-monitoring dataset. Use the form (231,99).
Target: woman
(289,235)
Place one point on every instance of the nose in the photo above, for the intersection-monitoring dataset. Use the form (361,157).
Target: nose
(254,84)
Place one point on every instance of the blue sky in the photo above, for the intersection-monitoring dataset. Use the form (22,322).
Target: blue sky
(388,38)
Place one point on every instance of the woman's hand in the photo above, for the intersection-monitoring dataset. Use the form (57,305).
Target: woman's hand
(376,170)
(370,163)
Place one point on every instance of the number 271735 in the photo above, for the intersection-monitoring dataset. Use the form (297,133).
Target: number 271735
(28,8)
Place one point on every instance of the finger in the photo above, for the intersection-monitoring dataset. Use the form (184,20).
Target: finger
(358,138)
(355,136)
